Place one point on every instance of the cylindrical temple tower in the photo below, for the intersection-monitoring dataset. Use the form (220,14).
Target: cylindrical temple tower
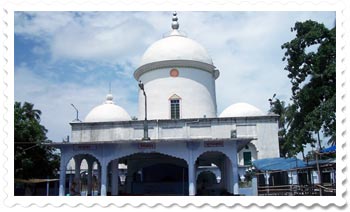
(178,77)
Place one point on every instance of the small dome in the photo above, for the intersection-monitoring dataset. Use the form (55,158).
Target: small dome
(108,111)
(241,110)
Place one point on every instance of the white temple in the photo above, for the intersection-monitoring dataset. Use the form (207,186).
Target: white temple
(181,145)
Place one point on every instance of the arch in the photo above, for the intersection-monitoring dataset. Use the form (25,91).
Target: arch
(156,154)
(81,174)
(71,155)
(83,164)
(154,173)
(84,176)
(95,165)
(223,163)
(146,152)
(70,165)
(84,156)
(212,151)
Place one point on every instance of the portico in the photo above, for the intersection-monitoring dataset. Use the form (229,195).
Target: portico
(190,152)
(175,155)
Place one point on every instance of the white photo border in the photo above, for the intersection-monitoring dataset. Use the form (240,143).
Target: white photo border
(7,99)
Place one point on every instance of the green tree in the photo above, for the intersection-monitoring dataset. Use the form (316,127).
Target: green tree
(278,107)
(311,62)
(32,159)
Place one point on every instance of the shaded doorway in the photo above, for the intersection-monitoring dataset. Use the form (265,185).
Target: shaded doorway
(154,174)
(217,175)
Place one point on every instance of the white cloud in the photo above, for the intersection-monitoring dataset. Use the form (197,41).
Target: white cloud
(54,99)
(246,47)
(112,37)
(41,24)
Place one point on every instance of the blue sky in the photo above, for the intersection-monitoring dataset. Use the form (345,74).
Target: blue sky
(71,57)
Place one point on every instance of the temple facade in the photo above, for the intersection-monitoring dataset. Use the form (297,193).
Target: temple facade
(178,145)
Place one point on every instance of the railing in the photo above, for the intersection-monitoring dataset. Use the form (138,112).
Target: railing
(297,190)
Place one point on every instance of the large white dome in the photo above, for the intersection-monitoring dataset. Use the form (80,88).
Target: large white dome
(175,47)
(241,110)
(108,111)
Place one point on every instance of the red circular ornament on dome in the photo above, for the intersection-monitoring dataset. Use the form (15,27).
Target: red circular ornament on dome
(174,72)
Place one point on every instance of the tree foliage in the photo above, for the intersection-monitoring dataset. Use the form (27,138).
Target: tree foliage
(311,63)
(278,107)
(32,159)
(288,145)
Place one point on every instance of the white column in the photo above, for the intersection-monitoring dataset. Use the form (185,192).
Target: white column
(333,176)
(90,162)
(255,186)
(191,174)
(63,167)
(115,177)
(267,177)
(295,176)
(191,179)
(104,181)
(234,162)
(229,175)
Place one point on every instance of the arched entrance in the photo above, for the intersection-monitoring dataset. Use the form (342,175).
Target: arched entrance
(83,175)
(216,177)
(153,174)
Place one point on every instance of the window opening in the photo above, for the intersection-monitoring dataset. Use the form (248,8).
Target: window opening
(175,108)
(247,158)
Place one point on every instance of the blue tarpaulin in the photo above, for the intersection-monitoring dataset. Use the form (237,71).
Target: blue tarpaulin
(321,162)
(281,164)
(329,149)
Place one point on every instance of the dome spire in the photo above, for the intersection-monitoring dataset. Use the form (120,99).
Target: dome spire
(175,24)
(109,97)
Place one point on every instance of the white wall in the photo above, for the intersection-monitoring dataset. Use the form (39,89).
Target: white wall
(263,131)
(267,143)
(195,87)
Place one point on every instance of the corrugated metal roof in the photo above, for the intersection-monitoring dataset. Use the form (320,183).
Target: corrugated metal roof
(281,164)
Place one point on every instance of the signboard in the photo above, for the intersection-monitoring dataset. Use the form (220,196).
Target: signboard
(213,144)
(146,145)
(84,147)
